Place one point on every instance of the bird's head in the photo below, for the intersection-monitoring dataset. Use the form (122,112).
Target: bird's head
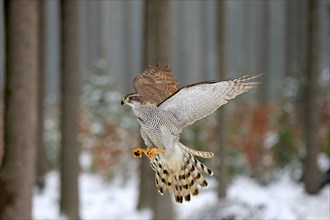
(132,99)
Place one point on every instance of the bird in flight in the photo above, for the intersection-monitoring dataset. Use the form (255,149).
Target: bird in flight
(163,111)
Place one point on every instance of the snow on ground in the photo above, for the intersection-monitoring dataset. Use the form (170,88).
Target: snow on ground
(247,199)
(98,199)
(283,199)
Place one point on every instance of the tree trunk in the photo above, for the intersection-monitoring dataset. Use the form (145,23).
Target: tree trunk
(70,90)
(127,47)
(260,47)
(158,50)
(222,62)
(246,59)
(17,173)
(311,172)
(290,37)
(41,162)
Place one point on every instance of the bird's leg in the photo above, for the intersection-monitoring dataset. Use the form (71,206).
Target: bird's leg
(151,152)
(137,152)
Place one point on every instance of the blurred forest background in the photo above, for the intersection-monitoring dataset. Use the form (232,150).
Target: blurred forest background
(65,65)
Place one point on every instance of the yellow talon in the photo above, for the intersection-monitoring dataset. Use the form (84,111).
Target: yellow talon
(137,152)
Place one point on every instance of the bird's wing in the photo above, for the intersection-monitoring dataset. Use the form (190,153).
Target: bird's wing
(145,138)
(196,101)
(155,84)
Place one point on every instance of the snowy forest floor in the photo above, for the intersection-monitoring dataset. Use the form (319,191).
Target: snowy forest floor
(247,199)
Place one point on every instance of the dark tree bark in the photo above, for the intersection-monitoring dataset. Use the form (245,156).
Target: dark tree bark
(41,161)
(70,90)
(17,173)
(311,173)
(222,63)
(157,50)
(157,32)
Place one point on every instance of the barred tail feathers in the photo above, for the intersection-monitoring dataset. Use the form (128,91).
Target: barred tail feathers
(203,154)
(180,178)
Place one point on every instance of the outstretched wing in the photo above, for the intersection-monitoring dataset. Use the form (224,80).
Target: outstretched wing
(155,84)
(196,101)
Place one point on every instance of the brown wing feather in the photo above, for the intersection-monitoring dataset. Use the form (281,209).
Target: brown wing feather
(155,84)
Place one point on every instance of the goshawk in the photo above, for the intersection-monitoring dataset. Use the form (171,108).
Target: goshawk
(163,110)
